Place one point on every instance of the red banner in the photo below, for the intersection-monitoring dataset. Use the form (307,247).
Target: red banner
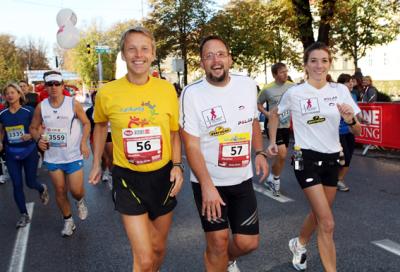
(383,126)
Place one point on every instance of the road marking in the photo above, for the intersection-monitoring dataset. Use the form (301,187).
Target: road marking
(388,245)
(261,189)
(18,256)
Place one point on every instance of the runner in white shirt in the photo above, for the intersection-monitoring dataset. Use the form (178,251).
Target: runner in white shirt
(218,117)
(316,107)
(64,143)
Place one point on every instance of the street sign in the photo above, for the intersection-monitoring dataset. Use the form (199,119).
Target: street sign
(102,49)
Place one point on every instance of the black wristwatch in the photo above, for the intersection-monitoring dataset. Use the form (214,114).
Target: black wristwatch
(353,122)
(260,152)
(180,165)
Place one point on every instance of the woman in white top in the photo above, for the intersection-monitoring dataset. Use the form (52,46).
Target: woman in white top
(316,107)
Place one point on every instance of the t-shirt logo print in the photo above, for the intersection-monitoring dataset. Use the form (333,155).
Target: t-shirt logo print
(141,122)
(213,116)
(309,105)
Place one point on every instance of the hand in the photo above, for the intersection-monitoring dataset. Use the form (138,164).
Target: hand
(95,174)
(176,176)
(26,137)
(43,145)
(346,112)
(212,201)
(261,165)
(272,150)
(85,150)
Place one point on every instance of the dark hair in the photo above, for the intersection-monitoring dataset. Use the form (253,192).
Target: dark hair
(344,78)
(316,46)
(93,97)
(212,37)
(51,72)
(276,67)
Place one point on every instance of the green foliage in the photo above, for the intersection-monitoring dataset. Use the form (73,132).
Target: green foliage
(182,21)
(11,66)
(258,32)
(362,24)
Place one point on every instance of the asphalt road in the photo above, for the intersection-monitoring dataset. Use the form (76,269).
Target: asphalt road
(369,212)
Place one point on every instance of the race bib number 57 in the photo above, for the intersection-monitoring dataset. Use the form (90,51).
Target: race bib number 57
(142,145)
(234,150)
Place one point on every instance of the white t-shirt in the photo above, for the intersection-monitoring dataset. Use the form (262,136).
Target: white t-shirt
(222,117)
(64,130)
(315,115)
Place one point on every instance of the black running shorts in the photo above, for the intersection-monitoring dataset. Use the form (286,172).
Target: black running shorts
(136,193)
(282,136)
(240,212)
(319,168)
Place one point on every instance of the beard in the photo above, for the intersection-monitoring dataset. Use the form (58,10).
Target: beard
(217,79)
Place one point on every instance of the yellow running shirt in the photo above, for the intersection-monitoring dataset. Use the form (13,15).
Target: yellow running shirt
(141,118)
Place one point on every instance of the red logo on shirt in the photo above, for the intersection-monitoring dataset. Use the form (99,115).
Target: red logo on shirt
(213,115)
(309,104)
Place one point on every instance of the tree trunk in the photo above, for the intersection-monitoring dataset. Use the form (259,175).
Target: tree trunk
(304,21)
(327,11)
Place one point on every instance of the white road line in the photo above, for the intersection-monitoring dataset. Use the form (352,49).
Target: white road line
(388,245)
(261,189)
(18,256)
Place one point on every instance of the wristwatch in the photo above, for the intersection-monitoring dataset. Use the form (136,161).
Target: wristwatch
(353,122)
(260,152)
(180,165)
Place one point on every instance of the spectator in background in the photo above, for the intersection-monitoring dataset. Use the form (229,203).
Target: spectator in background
(355,92)
(346,137)
(31,98)
(370,93)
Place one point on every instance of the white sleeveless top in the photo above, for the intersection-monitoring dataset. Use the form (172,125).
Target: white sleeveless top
(64,131)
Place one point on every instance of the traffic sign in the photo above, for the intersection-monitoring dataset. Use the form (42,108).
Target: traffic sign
(102,49)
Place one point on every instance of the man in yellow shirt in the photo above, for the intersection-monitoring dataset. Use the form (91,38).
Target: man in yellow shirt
(148,172)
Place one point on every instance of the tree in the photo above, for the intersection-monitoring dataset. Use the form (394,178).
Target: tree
(33,54)
(326,10)
(367,23)
(184,19)
(11,67)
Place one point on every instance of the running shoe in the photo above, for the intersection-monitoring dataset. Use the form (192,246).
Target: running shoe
(23,221)
(106,176)
(69,227)
(341,186)
(299,260)
(44,196)
(233,267)
(3,179)
(277,187)
(82,209)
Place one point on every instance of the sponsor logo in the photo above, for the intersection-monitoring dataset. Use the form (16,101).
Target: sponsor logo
(309,105)
(241,107)
(316,119)
(242,122)
(331,99)
(128,132)
(132,109)
(372,129)
(213,116)
(331,104)
(62,117)
(218,131)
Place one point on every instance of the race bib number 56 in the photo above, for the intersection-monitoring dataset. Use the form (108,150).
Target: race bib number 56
(142,145)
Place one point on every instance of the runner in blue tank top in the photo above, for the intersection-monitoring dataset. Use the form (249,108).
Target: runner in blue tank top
(20,149)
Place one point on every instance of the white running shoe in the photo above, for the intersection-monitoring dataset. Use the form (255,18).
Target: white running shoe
(106,176)
(3,179)
(44,196)
(82,209)
(277,187)
(233,267)
(69,227)
(299,260)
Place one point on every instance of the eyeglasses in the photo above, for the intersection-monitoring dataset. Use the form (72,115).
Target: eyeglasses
(53,83)
(217,55)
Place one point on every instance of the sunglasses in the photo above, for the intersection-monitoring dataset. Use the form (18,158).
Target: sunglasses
(53,83)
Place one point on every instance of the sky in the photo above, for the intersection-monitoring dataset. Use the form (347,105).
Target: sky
(36,19)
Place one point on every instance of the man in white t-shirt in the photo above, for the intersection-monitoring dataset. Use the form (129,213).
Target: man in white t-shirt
(218,119)
(272,94)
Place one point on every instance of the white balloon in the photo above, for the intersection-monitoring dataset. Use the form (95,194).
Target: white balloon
(68,36)
(65,16)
